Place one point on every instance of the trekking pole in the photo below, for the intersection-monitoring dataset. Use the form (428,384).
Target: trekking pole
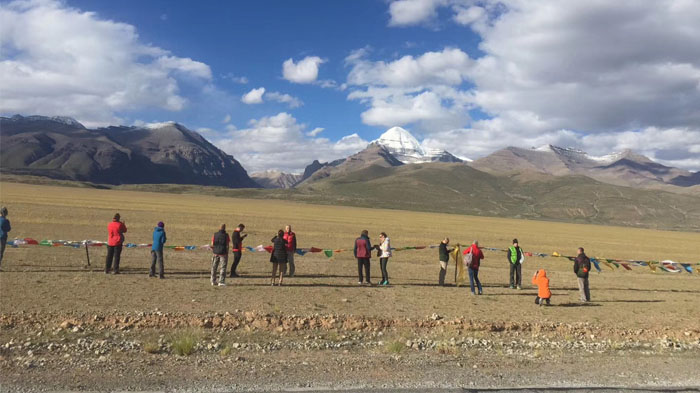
(87,253)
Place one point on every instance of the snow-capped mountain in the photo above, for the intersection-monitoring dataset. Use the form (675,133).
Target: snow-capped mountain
(406,148)
(625,168)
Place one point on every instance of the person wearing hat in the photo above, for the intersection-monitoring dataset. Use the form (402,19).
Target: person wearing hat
(115,230)
(516,258)
(159,240)
(4,228)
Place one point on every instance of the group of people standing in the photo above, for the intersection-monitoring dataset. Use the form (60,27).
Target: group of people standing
(362,250)
(472,257)
(285,246)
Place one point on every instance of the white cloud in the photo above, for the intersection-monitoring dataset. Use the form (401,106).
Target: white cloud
(315,131)
(254,96)
(58,60)
(293,102)
(305,71)
(241,80)
(423,89)
(618,73)
(413,12)
(281,143)
(227,119)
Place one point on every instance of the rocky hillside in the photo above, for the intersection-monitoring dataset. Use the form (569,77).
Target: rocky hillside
(62,148)
(625,168)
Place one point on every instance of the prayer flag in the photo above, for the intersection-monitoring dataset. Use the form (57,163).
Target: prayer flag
(595,263)
(329,253)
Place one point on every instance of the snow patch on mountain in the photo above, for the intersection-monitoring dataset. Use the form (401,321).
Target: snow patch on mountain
(577,155)
(406,148)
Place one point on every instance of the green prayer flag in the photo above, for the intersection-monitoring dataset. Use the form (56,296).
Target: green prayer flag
(329,253)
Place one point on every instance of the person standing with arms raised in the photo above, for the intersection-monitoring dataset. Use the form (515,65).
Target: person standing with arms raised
(237,248)
(363,253)
(582,265)
(115,231)
(219,247)
(290,239)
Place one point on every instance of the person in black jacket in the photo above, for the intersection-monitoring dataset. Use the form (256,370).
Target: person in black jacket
(582,265)
(237,248)
(279,256)
(219,247)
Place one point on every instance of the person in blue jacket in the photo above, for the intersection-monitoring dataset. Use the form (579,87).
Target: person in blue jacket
(159,240)
(4,228)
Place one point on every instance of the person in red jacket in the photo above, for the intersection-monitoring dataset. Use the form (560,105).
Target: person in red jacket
(290,239)
(473,265)
(115,230)
(543,293)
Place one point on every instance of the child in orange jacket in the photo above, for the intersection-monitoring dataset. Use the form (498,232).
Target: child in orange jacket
(543,293)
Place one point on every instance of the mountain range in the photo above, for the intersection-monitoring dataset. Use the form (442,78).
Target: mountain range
(394,171)
(62,148)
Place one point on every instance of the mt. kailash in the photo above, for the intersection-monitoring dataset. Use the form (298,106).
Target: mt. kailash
(406,148)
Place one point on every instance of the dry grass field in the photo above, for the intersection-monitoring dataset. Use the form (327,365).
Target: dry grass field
(42,287)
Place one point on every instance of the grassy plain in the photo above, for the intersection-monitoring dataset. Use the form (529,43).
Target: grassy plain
(55,284)
(46,212)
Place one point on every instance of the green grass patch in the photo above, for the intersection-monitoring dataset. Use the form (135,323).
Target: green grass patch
(184,343)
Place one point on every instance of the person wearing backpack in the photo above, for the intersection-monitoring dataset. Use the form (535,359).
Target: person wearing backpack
(363,252)
(472,260)
(515,257)
(582,265)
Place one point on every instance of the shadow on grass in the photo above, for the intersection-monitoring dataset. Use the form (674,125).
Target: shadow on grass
(581,304)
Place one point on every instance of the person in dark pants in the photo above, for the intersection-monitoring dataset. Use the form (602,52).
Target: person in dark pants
(219,247)
(279,256)
(363,253)
(116,230)
(291,239)
(384,251)
(515,257)
(444,255)
(237,248)
(473,265)
(4,229)
(159,240)
(582,265)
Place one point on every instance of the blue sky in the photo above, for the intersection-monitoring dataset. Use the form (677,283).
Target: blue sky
(466,76)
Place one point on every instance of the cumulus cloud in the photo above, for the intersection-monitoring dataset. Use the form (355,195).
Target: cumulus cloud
(280,142)
(58,60)
(241,80)
(254,96)
(413,12)
(293,102)
(423,89)
(616,73)
(304,71)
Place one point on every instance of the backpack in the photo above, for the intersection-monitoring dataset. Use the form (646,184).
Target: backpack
(468,259)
